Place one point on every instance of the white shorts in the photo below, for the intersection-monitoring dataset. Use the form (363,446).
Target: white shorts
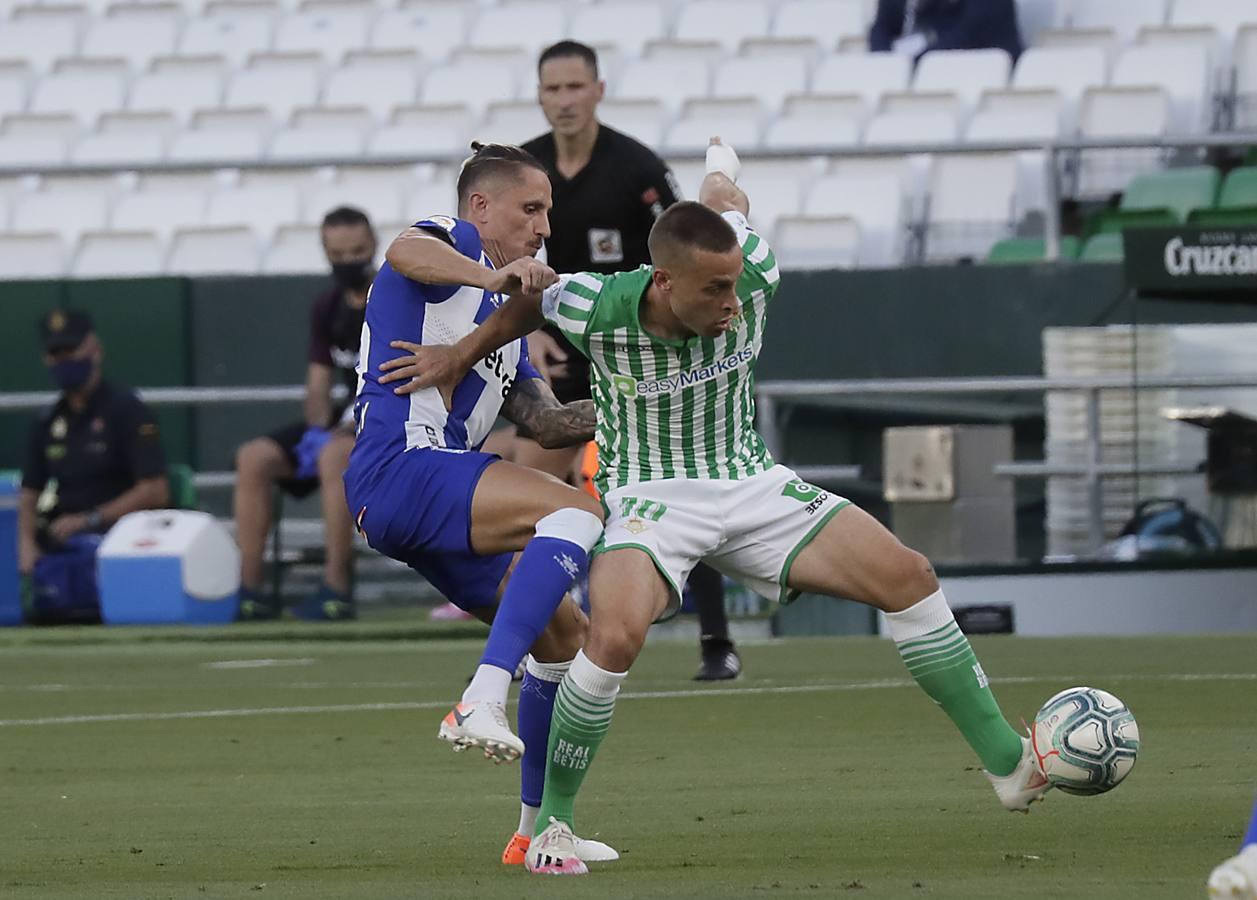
(750,530)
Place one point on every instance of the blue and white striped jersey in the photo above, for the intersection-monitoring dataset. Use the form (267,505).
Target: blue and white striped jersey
(401,309)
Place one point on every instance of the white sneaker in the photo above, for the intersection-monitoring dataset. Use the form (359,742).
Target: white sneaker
(553,852)
(482,725)
(590,850)
(1024,785)
(1236,879)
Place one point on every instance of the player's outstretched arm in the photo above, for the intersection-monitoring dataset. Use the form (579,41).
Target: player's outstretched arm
(423,257)
(719,189)
(439,365)
(538,414)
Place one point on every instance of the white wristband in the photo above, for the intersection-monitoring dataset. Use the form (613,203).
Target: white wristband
(722,159)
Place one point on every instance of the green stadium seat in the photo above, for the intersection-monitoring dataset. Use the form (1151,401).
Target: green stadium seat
(1237,202)
(1161,198)
(1103,248)
(182,487)
(1011,251)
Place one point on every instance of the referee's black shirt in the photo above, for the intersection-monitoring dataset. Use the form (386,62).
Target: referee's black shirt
(601,219)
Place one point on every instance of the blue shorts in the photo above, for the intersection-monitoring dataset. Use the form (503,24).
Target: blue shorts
(416,508)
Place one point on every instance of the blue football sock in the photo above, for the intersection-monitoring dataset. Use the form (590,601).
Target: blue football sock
(1251,836)
(536,702)
(542,576)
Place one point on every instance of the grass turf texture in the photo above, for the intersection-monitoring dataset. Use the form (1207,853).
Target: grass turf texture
(822,773)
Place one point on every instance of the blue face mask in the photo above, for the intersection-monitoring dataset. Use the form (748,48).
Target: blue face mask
(71,374)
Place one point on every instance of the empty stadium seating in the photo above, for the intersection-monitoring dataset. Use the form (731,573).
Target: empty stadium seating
(233,84)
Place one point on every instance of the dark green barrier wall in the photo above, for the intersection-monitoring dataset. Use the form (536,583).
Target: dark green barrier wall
(143,324)
(234,331)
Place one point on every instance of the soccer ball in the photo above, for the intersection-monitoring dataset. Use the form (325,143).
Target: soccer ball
(1086,740)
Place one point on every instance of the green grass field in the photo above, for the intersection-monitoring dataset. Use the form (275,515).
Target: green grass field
(822,773)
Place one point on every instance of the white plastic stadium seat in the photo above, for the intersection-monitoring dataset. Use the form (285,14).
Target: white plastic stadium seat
(641,119)
(276,83)
(213,251)
(1227,16)
(528,24)
(671,82)
(1125,17)
(331,31)
(33,151)
(38,40)
(307,143)
(67,210)
(216,147)
(972,204)
(1182,71)
(706,52)
(735,120)
(828,20)
(111,254)
(381,202)
(178,92)
(262,207)
(433,30)
(15,79)
(423,130)
(137,36)
(767,79)
(626,25)
(727,21)
(774,194)
(1119,113)
(1067,70)
(1011,115)
(474,86)
(83,91)
(378,85)
(434,198)
(123,150)
(295,248)
(161,123)
(912,127)
(32,255)
(513,122)
(966,73)
(875,201)
(869,75)
(234,35)
(818,122)
(806,242)
(159,210)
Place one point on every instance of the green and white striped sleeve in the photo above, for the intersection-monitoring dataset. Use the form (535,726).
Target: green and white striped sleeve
(569,304)
(759,271)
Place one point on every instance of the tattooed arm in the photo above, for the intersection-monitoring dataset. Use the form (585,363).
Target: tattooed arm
(537,414)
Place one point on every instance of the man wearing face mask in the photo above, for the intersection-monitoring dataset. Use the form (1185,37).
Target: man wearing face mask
(312,454)
(91,459)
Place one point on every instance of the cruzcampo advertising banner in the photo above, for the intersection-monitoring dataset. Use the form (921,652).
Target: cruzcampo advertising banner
(1209,263)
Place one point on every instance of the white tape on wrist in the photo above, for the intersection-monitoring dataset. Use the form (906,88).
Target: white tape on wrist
(722,159)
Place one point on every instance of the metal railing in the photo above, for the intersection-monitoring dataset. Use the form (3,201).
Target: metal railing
(770,396)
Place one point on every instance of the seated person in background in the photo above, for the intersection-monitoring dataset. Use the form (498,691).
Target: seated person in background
(91,459)
(314,452)
(914,27)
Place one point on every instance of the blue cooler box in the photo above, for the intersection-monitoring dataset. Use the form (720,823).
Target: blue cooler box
(168,566)
(10,587)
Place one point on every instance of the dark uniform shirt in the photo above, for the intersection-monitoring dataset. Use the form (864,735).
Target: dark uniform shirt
(601,219)
(335,336)
(80,460)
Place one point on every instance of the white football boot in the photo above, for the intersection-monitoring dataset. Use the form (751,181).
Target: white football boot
(553,852)
(1024,784)
(1236,879)
(483,725)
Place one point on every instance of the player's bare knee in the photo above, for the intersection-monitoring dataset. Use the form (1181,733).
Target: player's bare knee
(255,459)
(614,649)
(910,581)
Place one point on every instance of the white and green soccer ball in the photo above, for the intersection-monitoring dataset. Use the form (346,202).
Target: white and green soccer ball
(1086,740)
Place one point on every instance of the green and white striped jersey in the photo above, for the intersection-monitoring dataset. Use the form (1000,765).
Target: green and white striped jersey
(669,409)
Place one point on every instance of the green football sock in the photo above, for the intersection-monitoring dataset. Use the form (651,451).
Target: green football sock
(581,719)
(940,659)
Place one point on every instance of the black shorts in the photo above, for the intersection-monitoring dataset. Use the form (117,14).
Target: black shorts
(575,384)
(288,437)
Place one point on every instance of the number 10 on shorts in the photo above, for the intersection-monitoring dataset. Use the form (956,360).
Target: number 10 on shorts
(650,510)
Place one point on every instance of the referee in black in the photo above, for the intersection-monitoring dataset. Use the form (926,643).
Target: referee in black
(608,191)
